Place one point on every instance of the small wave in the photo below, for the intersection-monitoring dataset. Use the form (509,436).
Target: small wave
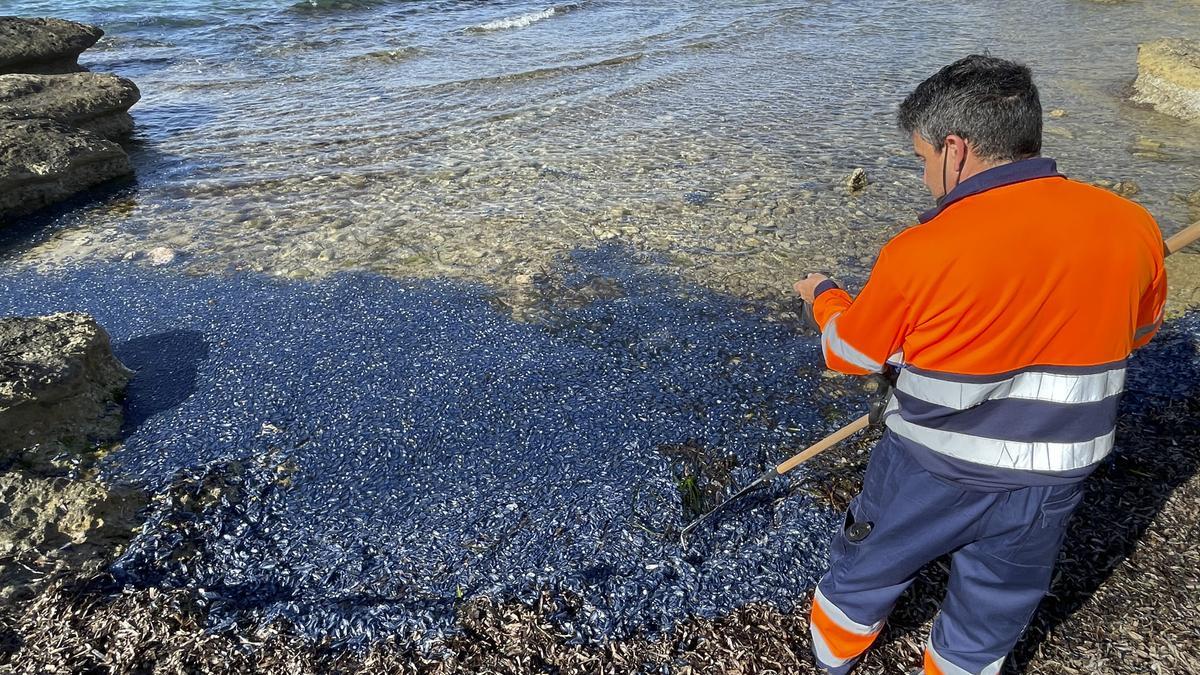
(164,21)
(144,62)
(114,42)
(332,5)
(551,71)
(297,46)
(387,55)
(522,20)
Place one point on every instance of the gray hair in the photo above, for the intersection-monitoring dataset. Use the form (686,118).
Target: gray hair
(988,101)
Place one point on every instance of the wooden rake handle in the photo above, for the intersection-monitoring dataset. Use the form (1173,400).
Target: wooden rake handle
(824,444)
(1177,241)
(1182,238)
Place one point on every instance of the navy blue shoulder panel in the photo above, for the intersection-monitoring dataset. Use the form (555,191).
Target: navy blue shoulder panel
(1005,174)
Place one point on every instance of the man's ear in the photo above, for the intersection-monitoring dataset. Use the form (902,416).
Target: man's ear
(957,147)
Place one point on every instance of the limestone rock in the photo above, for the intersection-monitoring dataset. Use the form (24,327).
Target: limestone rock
(1169,77)
(43,161)
(1058,130)
(54,119)
(161,255)
(1193,202)
(60,388)
(51,523)
(1148,148)
(60,384)
(857,180)
(43,45)
(96,102)
(1125,188)
(1194,199)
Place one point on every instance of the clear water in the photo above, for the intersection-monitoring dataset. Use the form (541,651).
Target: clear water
(478,140)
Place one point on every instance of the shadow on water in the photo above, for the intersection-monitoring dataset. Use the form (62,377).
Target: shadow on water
(159,121)
(1124,495)
(26,232)
(165,365)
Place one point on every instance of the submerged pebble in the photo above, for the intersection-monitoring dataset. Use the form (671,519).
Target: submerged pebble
(160,256)
(857,180)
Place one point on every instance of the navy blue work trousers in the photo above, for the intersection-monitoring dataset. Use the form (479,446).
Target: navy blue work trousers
(1003,546)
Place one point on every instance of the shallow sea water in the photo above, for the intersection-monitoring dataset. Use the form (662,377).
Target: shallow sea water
(454,278)
(477,140)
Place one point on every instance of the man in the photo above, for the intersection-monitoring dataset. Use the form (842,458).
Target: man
(1009,313)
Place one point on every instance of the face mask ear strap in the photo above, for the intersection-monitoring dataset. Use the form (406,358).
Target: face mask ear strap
(945,156)
(962,164)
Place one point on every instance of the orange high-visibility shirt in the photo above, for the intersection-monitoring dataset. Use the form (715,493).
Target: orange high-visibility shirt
(1013,308)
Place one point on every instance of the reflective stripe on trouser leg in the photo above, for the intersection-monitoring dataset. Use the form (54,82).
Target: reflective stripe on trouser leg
(838,640)
(936,665)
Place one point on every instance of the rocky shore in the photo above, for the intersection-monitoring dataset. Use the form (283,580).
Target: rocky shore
(43,45)
(61,393)
(60,385)
(60,126)
(1169,77)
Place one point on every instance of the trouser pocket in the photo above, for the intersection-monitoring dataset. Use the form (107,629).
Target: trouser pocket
(1060,505)
(858,524)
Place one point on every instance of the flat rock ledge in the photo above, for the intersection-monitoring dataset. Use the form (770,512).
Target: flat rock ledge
(58,523)
(43,45)
(43,162)
(95,102)
(1169,77)
(57,120)
(61,387)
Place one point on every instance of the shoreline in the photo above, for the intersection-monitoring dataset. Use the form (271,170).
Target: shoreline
(592,372)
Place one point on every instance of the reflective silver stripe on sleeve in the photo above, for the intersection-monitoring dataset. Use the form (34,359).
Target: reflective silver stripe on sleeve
(948,668)
(1143,331)
(1042,456)
(1030,385)
(832,343)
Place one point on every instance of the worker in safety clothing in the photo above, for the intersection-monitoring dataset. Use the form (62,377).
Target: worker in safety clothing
(1008,315)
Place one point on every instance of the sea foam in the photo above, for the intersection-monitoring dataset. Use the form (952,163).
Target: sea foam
(520,21)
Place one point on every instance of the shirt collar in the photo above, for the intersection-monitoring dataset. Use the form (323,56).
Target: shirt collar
(1005,174)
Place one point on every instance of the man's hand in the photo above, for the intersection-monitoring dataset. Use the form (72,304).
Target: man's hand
(806,288)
